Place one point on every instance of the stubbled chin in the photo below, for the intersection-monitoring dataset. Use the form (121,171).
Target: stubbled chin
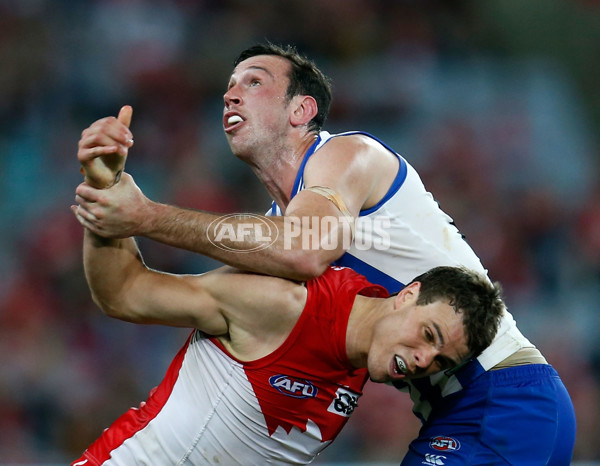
(236,149)
(382,378)
(244,156)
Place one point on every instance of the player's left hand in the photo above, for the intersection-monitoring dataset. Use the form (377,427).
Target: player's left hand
(103,149)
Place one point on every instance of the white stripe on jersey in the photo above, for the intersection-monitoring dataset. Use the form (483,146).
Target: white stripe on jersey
(213,405)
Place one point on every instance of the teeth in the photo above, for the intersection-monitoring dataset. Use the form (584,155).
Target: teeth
(401,364)
(234,119)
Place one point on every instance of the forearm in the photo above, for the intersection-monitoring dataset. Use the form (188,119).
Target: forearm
(110,265)
(268,245)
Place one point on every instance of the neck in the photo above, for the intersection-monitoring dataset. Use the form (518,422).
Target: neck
(359,335)
(277,170)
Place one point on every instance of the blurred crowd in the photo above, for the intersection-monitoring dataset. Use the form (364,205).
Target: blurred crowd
(495,103)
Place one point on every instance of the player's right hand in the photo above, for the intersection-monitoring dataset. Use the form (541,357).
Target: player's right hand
(103,149)
(119,212)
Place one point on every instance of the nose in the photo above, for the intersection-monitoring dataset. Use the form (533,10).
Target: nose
(424,357)
(230,97)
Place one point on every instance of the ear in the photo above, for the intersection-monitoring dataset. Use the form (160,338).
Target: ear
(304,108)
(408,294)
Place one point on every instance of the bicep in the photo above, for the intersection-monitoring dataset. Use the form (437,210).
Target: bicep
(176,300)
(218,301)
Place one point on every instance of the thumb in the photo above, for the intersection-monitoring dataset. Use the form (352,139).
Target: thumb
(125,115)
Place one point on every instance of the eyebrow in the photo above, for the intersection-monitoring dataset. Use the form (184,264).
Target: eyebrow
(257,67)
(451,362)
(254,68)
(439,332)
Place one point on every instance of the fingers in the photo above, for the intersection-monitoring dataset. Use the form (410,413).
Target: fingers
(77,216)
(86,193)
(90,203)
(125,115)
(83,212)
(108,135)
(82,201)
(80,216)
(87,154)
(109,129)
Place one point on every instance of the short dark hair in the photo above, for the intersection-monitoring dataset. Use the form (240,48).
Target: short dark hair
(305,78)
(470,294)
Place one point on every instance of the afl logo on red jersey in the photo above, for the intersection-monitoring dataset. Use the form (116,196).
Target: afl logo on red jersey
(291,386)
(444,443)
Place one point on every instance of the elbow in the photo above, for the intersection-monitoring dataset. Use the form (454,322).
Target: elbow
(112,307)
(301,260)
(306,265)
(106,306)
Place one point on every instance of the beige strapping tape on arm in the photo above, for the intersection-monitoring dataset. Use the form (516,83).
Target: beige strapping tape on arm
(337,201)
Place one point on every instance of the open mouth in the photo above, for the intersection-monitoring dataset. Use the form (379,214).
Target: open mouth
(232,121)
(401,367)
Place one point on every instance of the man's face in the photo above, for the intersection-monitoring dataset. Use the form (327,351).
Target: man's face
(256,107)
(416,341)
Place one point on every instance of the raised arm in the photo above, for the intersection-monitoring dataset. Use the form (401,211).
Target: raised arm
(125,288)
(286,256)
(251,314)
(354,168)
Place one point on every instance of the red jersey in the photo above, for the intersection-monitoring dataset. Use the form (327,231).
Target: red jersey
(283,408)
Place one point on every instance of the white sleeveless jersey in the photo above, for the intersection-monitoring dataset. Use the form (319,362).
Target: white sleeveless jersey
(403,236)
(283,408)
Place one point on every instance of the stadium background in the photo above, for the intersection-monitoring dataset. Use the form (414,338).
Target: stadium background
(496,102)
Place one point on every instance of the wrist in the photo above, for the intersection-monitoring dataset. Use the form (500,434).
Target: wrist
(98,241)
(153,217)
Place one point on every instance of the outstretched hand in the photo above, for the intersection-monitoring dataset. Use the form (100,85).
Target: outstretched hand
(103,149)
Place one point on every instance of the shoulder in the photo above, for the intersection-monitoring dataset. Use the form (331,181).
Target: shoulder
(248,298)
(348,153)
(260,310)
(339,281)
(350,145)
(357,166)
